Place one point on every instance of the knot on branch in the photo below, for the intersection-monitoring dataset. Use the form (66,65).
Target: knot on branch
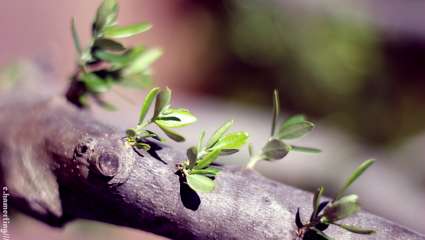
(101,160)
(108,164)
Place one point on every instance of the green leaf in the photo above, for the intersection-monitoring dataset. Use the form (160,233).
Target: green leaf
(200,183)
(163,99)
(106,15)
(83,99)
(356,174)
(171,134)
(141,133)
(355,229)
(75,37)
(136,81)
(295,130)
(207,159)
(226,152)
(316,202)
(125,31)
(175,118)
(108,44)
(151,134)
(206,171)
(191,154)
(232,141)
(147,103)
(141,60)
(142,145)
(340,209)
(121,60)
(118,60)
(275,149)
(201,141)
(219,133)
(293,119)
(250,150)
(95,83)
(276,109)
(305,149)
(86,56)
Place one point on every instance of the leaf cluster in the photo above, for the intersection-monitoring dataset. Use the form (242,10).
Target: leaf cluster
(106,61)
(330,212)
(197,169)
(164,116)
(292,128)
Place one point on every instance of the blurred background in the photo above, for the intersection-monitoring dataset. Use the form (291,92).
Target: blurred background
(356,68)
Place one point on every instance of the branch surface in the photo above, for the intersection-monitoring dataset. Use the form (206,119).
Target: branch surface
(60,164)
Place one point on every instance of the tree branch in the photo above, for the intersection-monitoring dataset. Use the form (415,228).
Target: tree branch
(60,164)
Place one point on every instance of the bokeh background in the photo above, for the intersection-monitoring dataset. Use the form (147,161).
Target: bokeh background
(356,68)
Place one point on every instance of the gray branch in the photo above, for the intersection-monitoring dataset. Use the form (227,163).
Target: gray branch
(60,164)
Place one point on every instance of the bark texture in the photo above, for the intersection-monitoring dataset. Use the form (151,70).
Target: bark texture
(60,164)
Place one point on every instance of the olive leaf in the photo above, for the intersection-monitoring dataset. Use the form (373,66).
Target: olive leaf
(197,168)
(163,99)
(330,212)
(175,118)
(225,152)
(201,141)
(125,31)
(316,202)
(75,37)
(116,60)
(200,183)
(355,229)
(121,60)
(106,15)
(293,120)
(276,109)
(354,176)
(210,171)
(221,143)
(275,149)
(150,97)
(232,141)
(141,60)
(141,81)
(94,83)
(171,134)
(192,154)
(219,133)
(108,44)
(305,149)
(164,117)
(207,159)
(129,67)
(295,130)
(341,208)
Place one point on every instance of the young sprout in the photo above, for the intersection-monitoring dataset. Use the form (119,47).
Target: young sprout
(164,116)
(330,212)
(197,170)
(275,148)
(106,61)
